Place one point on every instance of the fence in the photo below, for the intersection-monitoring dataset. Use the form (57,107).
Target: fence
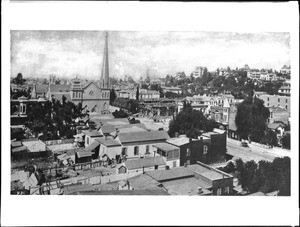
(54,186)
(81,166)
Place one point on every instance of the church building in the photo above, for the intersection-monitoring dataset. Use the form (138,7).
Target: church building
(94,96)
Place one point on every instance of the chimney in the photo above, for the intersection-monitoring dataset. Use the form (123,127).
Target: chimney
(167,167)
(116,133)
(200,191)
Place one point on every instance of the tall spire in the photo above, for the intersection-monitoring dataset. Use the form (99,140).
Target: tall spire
(105,65)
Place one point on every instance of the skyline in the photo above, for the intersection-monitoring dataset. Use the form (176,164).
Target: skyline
(79,53)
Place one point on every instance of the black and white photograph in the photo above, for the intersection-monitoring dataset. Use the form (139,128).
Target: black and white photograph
(107,113)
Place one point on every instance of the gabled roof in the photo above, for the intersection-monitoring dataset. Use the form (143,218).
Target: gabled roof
(16,143)
(108,142)
(18,149)
(143,136)
(89,83)
(35,146)
(142,181)
(93,133)
(144,162)
(92,146)
(226,103)
(107,129)
(82,154)
(274,125)
(277,109)
(115,121)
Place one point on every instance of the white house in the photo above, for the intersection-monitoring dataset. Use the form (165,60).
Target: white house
(139,144)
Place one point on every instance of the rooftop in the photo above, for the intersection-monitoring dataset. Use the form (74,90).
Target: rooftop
(93,133)
(84,153)
(187,186)
(143,136)
(275,125)
(179,141)
(165,146)
(35,146)
(188,171)
(108,142)
(144,162)
(122,192)
(142,182)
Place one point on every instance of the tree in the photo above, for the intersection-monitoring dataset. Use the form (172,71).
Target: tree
(286,141)
(130,80)
(112,96)
(249,177)
(189,119)
(120,114)
(270,138)
(251,119)
(137,96)
(53,120)
(19,79)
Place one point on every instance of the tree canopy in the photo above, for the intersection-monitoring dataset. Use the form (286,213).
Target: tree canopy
(265,176)
(19,79)
(53,120)
(190,122)
(251,119)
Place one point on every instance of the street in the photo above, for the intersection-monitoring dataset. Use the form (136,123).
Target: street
(253,152)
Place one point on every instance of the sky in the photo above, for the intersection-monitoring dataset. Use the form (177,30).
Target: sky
(79,53)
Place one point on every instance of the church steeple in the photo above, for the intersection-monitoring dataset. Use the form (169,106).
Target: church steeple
(105,65)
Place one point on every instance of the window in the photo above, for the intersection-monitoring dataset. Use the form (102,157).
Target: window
(79,95)
(219,191)
(226,190)
(136,150)
(91,93)
(188,152)
(205,149)
(87,140)
(286,101)
(268,99)
(73,94)
(286,107)
(124,151)
(278,100)
(147,149)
